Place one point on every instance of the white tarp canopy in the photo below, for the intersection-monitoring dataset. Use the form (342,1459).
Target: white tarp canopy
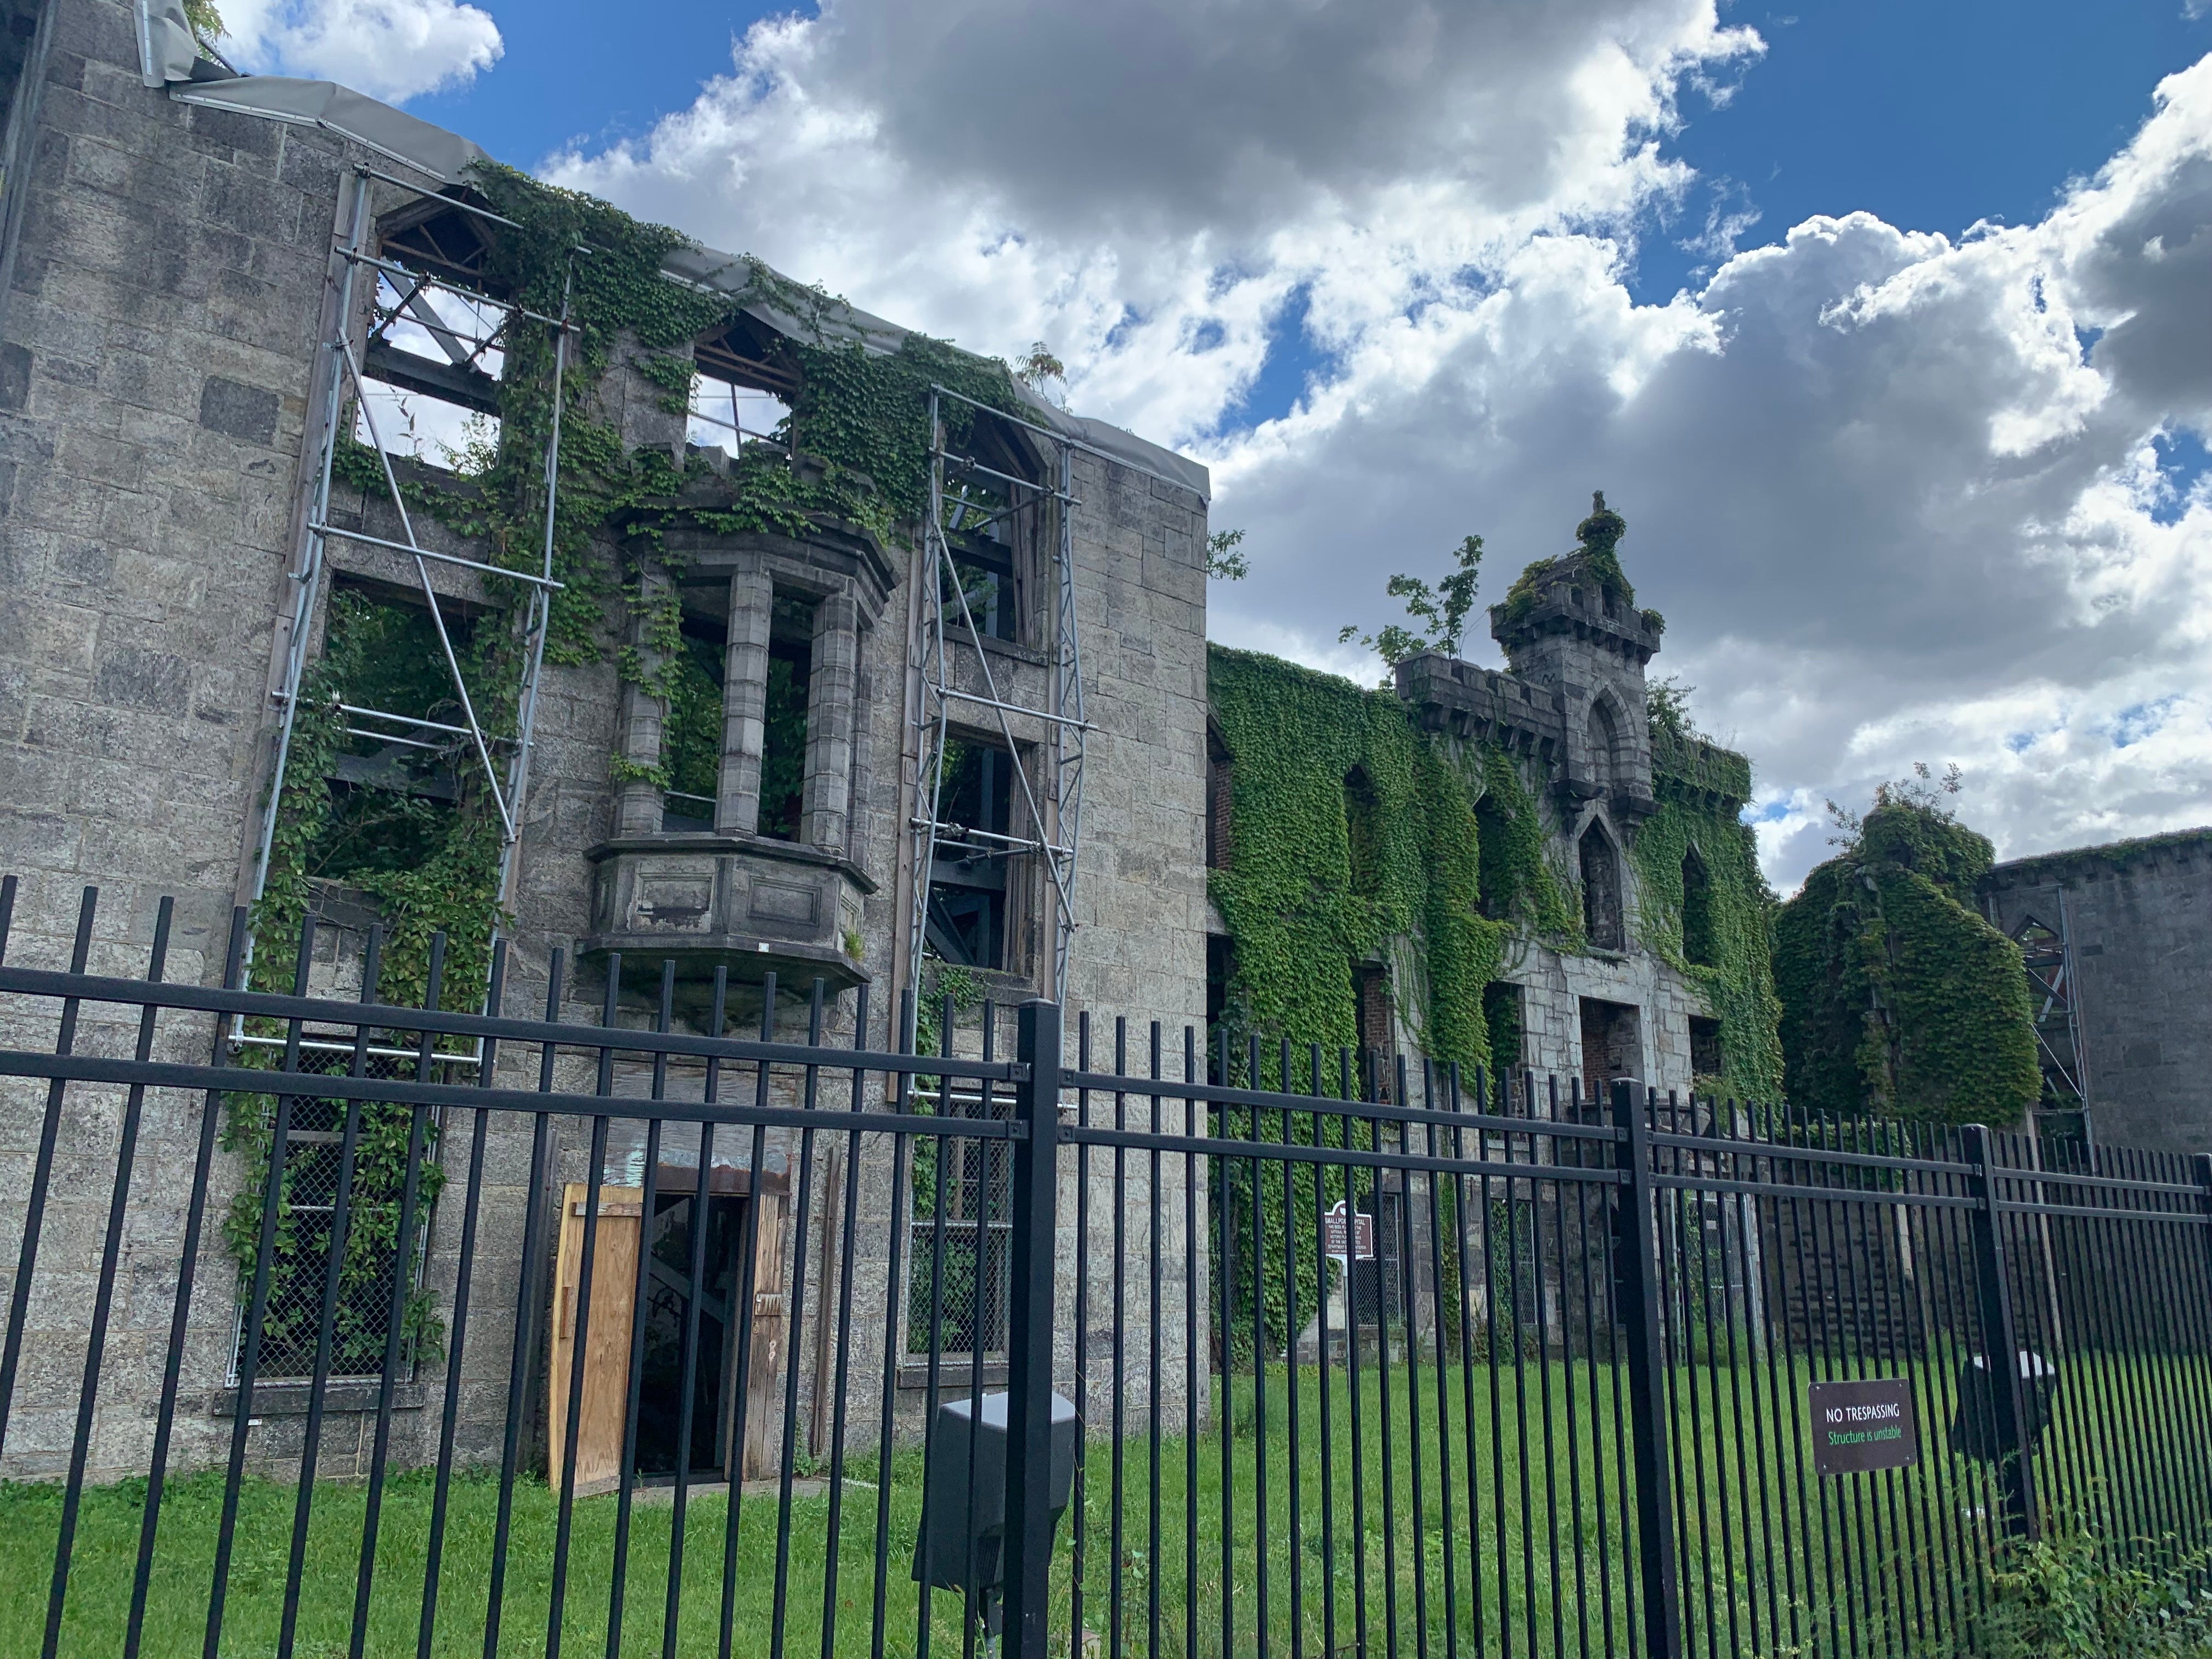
(169,57)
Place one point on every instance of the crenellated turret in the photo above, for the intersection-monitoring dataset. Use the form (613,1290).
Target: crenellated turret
(1570,624)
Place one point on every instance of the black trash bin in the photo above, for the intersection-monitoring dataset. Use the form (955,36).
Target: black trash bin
(1973,1426)
(964,1502)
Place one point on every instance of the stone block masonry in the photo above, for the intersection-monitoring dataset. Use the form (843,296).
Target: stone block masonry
(161,341)
(2138,922)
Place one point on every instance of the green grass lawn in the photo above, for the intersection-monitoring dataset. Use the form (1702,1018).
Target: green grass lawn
(1520,1552)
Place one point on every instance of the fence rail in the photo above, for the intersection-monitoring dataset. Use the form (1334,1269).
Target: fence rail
(647,1339)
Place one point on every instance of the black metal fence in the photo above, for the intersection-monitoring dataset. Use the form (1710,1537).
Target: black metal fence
(696,1345)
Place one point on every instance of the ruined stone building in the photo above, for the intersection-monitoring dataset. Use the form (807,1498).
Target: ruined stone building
(2119,944)
(389,541)
(1536,873)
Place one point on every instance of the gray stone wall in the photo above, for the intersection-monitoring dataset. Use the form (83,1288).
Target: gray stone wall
(156,353)
(2138,918)
(158,356)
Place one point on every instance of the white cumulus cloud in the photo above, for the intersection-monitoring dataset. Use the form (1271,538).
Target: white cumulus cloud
(1902,495)
(391,49)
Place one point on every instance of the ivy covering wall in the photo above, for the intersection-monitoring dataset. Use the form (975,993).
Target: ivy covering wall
(1355,836)
(1725,954)
(1313,884)
(862,416)
(1897,999)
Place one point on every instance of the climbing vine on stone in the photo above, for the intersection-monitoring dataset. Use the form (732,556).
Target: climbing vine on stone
(1897,998)
(859,422)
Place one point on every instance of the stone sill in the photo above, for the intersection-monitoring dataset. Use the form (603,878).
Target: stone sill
(999,648)
(954,1376)
(293,1399)
(766,846)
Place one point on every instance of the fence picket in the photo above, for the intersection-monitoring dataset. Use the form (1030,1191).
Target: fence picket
(1558,1394)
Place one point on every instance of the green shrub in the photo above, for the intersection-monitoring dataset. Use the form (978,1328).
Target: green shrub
(2075,1594)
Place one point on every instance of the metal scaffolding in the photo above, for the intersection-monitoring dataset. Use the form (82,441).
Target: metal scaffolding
(968,497)
(2063,1058)
(471,328)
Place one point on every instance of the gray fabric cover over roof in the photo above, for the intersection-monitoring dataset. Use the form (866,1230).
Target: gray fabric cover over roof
(168,56)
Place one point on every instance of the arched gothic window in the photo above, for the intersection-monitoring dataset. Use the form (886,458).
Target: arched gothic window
(1697,911)
(1604,732)
(1600,870)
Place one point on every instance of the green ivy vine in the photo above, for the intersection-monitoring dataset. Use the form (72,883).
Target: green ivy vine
(1897,999)
(1311,886)
(859,424)
(1722,950)
(1351,837)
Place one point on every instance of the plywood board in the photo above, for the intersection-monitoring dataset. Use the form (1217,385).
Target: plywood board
(606,1333)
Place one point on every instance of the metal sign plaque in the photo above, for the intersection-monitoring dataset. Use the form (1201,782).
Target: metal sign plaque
(1865,1426)
(1341,1241)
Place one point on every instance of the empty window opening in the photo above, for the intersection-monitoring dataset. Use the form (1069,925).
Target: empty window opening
(1612,1046)
(419,426)
(18,24)
(726,415)
(1376,1025)
(1697,911)
(431,370)
(1504,1014)
(1218,800)
(979,586)
(1604,730)
(691,730)
(1600,870)
(969,877)
(1493,859)
(783,737)
(404,756)
(1363,829)
(1704,1051)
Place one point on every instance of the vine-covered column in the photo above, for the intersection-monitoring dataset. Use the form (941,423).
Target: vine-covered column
(643,712)
(829,720)
(744,704)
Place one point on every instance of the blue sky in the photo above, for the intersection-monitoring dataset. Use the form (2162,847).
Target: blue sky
(1930,116)
(1398,270)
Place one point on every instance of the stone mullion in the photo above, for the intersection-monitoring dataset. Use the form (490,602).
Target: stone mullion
(832,695)
(744,704)
(638,799)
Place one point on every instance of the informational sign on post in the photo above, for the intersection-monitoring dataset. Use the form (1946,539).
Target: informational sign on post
(1344,1234)
(1863,1425)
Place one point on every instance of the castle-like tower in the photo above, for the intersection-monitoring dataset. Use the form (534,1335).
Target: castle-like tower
(1635,994)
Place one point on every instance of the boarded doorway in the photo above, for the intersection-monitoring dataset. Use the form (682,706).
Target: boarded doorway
(670,1291)
(1613,1045)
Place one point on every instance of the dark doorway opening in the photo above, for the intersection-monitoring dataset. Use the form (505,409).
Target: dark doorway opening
(1613,1045)
(1601,871)
(1705,1050)
(670,1292)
